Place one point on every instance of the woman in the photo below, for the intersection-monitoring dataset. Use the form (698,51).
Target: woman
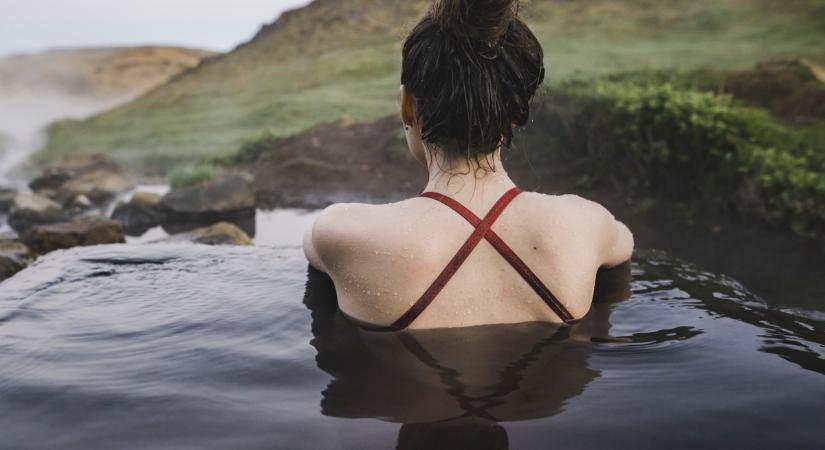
(473,249)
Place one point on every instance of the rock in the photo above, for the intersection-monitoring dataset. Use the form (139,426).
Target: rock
(82,232)
(98,186)
(145,199)
(222,233)
(140,214)
(6,199)
(226,193)
(14,247)
(10,264)
(50,180)
(32,209)
(225,198)
(89,174)
(80,204)
(176,224)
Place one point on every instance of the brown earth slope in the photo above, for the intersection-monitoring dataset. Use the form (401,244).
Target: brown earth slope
(96,72)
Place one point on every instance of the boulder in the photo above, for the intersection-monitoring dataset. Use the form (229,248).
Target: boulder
(14,247)
(140,214)
(10,264)
(82,232)
(222,233)
(227,193)
(89,174)
(6,199)
(28,210)
(225,198)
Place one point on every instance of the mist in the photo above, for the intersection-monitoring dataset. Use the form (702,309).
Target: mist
(25,114)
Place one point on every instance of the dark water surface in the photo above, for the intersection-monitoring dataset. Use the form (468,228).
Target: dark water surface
(185,346)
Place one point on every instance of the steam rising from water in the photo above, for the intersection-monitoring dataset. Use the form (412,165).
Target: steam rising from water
(24,116)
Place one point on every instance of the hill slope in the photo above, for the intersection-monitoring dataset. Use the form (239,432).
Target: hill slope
(335,60)
(95,72)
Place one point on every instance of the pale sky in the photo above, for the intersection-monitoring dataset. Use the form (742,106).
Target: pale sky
(33,25)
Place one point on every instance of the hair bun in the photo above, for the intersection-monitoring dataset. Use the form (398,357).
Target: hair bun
(481,20)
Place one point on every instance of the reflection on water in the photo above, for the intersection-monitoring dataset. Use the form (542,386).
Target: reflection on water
(451,388)
(448,387)
(188,346)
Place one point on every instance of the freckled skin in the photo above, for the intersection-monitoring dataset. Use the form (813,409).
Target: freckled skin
(383,257)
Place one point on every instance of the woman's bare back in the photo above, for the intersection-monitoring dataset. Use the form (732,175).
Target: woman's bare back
(382,258)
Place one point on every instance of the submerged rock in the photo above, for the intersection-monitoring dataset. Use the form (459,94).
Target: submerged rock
(82,232)
(10,264)
(222,233)
(140,214)
(177,224)
(28,210)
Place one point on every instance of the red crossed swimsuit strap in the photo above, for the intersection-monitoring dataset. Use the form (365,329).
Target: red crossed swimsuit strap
(482,228)
(505,251)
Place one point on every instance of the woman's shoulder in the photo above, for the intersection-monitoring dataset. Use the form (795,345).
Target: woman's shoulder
(582,222)
(356,217)
(346,226)
(572,206)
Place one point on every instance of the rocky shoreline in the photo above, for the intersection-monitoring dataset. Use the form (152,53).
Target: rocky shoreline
(68,207)
(69,203)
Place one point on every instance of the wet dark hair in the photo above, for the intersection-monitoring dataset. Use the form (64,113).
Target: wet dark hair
(472,67)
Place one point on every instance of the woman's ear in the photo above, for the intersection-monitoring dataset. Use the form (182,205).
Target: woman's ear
(407,106)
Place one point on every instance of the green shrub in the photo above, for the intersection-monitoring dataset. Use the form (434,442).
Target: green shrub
(257,148)
(702,150)
(189,174)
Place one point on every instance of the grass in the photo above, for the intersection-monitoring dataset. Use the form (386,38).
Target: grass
(213,114)
(185,175)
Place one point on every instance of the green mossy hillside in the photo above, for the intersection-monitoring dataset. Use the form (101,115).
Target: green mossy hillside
(335,60)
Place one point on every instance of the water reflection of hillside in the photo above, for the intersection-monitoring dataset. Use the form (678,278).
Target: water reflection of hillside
(792,337)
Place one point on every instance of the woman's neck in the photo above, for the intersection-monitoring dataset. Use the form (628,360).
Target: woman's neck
(467,179)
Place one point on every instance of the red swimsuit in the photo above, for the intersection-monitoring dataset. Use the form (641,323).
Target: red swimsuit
(483,230)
